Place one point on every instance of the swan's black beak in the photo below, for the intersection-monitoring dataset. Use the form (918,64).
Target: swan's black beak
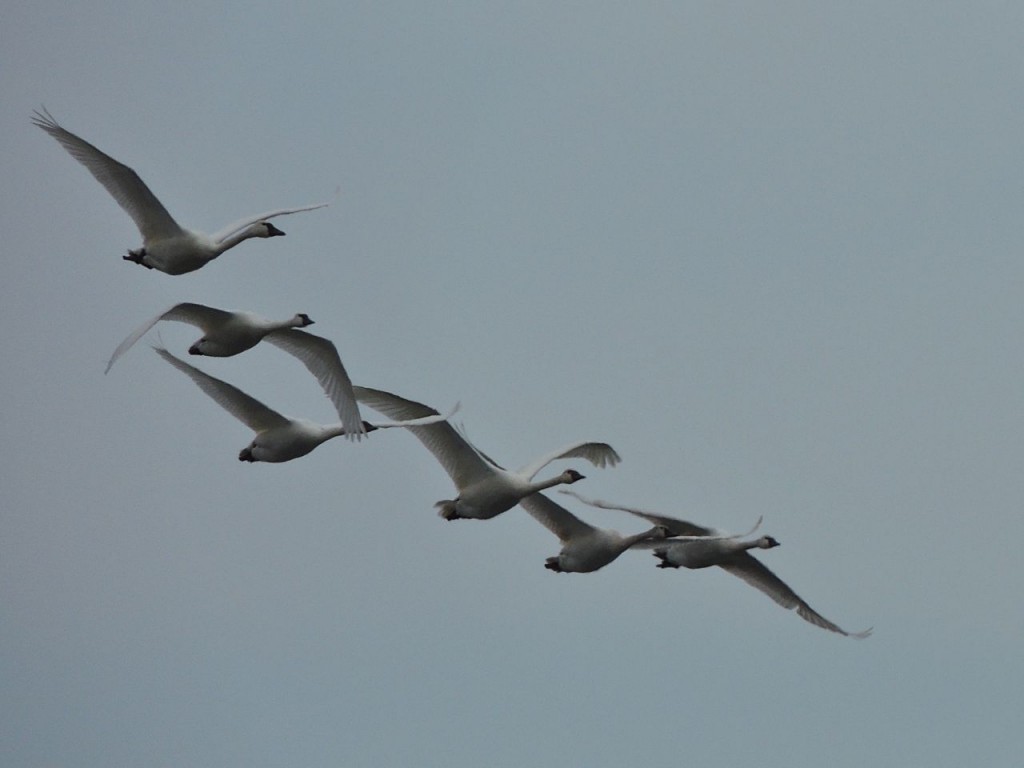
(273,231)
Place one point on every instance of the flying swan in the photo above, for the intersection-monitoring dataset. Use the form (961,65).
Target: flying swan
(230,333)
(485,489)
(278,438)
(224,333)
(166,246)
(701,547)
(584,547)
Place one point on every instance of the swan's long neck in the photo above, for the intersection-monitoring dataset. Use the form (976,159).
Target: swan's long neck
(543,485)
(329,431)
(230,242)
(764,542)
(292,322)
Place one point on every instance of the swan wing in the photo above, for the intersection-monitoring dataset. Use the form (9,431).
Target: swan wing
(598,454)
(460,459)
(123,184)
(420,422)
(757,574)
(672,537)
(241,224)
(196,314)
(246,409)
(675,526)
(556,518)
(321,358)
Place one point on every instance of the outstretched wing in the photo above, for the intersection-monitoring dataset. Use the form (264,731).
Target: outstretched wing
(196,314)
(420,422)
(460,459)
(757,574)
(656,543)
(675,526)
(321,358)
(246,409)
(598,454)
(123,184)
(556,518)
(241,224)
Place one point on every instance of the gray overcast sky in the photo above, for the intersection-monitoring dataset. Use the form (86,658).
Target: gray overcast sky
(770,251)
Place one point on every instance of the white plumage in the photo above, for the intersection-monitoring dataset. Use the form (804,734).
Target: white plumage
(485,488)
(166,246)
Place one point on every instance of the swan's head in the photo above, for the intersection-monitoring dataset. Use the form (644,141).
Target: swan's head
(661,532)
(266,229)
(766,542)
(301,320)
(197,348)
(571,476)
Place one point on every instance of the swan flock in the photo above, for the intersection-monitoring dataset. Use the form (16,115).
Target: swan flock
(484,489)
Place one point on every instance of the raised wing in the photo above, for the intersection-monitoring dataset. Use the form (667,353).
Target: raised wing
(757,574)
(123,184)
(420,422)
(464,464)
(598,454)
(196,314)
(321,358)
(656,543)
(556,518)
(241,224)
(246,409)
(675,526)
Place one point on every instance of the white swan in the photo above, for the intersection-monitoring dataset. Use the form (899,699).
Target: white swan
(224,333)
(278,438)
(485,489)
(584,547)
(229,333)
(701,547)
(165,245)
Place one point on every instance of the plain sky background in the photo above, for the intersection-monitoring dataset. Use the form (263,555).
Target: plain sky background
(771,252)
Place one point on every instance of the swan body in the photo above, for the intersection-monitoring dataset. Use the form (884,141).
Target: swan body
(485,489)
(288,441)
(278,438)
(584,547)
(166,246)
(700,547)
(224,333)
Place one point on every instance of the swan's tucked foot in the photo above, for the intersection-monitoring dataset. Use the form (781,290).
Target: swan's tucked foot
(136,257)
(663,559)
(246,455)
(552,565)
(448,511)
